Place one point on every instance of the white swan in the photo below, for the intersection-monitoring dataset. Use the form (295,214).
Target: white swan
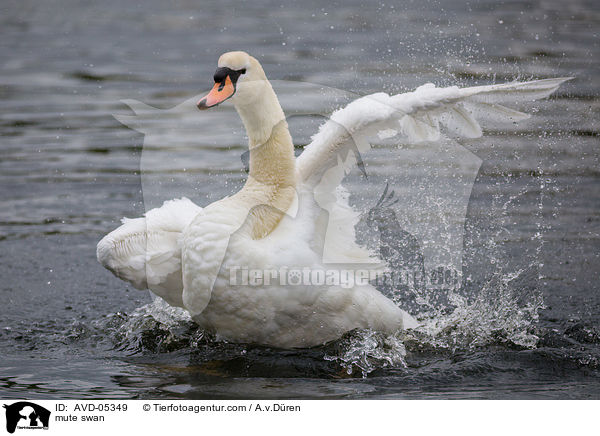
(291,213)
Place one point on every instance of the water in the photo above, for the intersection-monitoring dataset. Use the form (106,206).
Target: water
(526,323)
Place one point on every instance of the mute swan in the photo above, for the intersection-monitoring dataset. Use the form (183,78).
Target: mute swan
(291,213)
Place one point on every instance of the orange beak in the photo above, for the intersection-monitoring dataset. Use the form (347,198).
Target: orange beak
(220,92)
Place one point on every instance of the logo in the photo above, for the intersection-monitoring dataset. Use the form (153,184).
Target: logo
(26,415)
(419,227)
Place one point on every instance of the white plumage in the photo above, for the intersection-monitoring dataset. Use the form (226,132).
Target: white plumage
(146,252)
(185,254)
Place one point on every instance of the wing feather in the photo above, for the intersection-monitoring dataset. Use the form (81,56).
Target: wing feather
(418,115)
(146,251)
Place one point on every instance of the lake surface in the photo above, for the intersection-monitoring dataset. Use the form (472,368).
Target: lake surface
(524,324)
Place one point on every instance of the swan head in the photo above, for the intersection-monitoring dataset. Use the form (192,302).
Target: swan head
(238,77)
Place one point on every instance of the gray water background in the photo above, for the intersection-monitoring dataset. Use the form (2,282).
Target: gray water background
(69,171)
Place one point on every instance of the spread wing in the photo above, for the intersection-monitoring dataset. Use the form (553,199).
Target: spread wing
(418,116)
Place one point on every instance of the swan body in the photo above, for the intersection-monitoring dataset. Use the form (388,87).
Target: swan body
(292,213)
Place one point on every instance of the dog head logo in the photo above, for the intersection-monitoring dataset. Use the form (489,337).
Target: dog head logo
(433,178)
(24,414)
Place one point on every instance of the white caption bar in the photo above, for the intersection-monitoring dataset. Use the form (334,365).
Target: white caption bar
(266,417)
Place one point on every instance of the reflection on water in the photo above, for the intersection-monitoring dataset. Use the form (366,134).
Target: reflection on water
(526,323)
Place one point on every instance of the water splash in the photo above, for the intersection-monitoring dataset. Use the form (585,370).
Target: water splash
(503,313)
(155,327)
(366,351)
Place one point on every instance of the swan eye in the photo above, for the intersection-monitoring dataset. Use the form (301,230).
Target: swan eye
(222,73)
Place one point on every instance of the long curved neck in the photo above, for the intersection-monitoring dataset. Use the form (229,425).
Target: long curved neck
(270,188)
(261,115)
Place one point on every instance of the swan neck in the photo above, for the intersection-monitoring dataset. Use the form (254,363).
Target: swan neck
(261,116)
(270,187)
